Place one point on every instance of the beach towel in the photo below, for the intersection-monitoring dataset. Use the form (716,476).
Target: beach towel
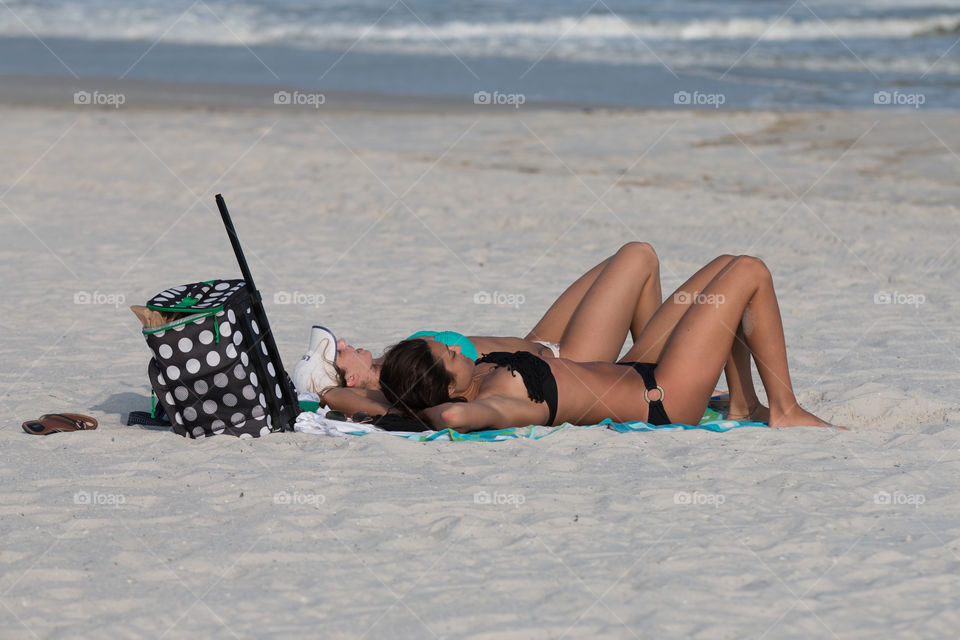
(315,422)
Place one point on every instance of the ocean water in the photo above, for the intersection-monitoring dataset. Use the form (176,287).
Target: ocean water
(713,54)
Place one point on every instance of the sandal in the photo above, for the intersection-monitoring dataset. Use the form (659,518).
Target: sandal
(59,423)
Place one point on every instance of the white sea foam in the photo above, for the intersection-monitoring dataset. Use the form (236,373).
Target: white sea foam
(614,27)
(256,26)
(607,39)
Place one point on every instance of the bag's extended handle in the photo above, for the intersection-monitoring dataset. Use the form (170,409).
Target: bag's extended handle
(289,406)
(235,242)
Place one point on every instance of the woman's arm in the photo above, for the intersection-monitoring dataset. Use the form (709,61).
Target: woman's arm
(349,401)
(494,412)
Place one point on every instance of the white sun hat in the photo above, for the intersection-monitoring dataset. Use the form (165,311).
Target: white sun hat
(315,372)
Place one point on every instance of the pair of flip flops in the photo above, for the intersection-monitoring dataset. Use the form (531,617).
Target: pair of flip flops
(58,423)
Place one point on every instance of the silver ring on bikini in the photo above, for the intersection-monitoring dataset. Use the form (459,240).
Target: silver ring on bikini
(646,394)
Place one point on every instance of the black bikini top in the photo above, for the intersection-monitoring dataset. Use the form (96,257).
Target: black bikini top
(537,376)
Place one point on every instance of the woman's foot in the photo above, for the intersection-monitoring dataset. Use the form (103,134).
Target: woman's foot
(758,413)
(796,417)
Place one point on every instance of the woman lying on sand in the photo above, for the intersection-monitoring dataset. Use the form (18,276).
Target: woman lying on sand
(587,323)
(733,303)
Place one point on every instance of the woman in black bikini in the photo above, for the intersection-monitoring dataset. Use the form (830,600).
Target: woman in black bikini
(686,347)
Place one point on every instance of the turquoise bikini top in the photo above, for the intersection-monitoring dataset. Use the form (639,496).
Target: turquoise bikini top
(451,338)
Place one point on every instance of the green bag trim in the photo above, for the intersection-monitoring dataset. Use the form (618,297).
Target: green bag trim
(182,306)
(176,323)
(176,309)
(187,303)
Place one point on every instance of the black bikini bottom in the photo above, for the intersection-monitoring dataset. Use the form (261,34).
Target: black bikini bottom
(656,415)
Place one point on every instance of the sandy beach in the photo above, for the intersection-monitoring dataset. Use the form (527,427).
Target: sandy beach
(378,217)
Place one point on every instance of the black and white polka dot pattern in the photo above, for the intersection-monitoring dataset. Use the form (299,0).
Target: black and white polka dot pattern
(202,296)
(211,372)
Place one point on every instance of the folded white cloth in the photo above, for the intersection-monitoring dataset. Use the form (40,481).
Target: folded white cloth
(316,423)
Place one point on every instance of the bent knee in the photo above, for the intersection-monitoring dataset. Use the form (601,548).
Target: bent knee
(639,252)
(752,264)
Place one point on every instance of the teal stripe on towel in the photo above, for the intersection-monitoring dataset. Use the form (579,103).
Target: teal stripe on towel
(536,432)
(718,426)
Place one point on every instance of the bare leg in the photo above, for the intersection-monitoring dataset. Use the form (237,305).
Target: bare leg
(649,344)
(592,316)
(698,348)
(555,320)
(744,403)
(591,319)
(743,396)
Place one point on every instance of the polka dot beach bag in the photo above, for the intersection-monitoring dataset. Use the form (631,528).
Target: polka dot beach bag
(211,371)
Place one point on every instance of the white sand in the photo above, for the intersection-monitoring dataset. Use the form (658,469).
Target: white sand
(785,536)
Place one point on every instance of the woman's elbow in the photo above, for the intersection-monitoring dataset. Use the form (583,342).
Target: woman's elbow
(441,417)
(451,416)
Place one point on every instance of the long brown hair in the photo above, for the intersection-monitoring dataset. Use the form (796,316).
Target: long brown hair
(412,379)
